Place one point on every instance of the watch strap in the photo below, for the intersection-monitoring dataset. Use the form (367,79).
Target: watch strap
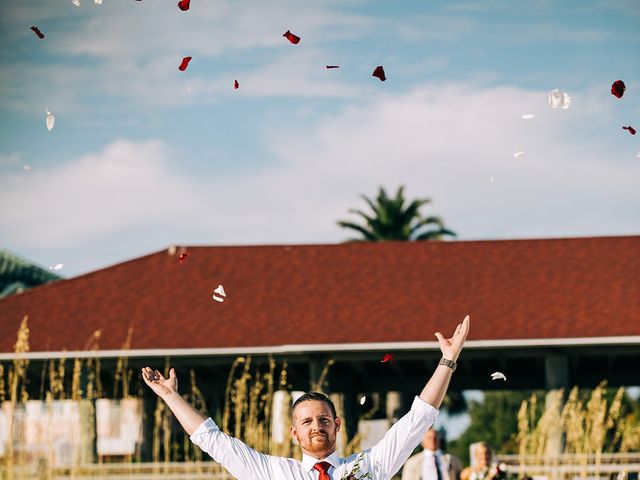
(448,363)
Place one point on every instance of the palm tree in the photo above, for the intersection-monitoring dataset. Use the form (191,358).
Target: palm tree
(391,220)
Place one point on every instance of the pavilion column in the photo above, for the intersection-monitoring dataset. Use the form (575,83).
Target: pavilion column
(148,408)
(341,440)
(556,375)
(556,371)
(351,405)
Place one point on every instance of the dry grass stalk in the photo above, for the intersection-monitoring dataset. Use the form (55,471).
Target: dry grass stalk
(195,397)
(16,380)
(227,393)
(319,385)
(2,387)
(523,436)
(123,373)
(56,379)
(76,388)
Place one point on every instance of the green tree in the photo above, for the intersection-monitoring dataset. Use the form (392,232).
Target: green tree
(392,219)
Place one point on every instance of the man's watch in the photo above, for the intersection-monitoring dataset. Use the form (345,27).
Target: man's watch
(448,363)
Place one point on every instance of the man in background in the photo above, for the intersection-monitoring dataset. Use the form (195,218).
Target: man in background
(432,463)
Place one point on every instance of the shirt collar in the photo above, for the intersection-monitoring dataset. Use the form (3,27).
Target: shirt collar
(308,462)
(431,453)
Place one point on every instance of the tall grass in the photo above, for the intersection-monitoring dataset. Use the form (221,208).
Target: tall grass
(248,404)
(583,426)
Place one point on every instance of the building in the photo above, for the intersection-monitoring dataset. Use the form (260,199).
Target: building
(547,313)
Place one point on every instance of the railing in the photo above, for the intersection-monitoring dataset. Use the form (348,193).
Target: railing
(123,471)
(562,467)
(573,466)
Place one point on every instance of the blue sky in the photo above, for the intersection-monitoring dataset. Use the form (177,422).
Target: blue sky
(143,156)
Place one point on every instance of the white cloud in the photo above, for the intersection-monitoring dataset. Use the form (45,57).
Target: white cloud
(95,196)
(404,140)
(10,160)
(568,184)
(126,32)
(130,51)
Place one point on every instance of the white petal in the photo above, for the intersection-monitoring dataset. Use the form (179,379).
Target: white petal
(51,121)
(498,376)
(518,154)
(220,291)
(363,399)
(528,116)
(218,299)
(558,99)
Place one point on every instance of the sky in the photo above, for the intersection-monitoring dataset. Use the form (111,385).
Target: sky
(143,156)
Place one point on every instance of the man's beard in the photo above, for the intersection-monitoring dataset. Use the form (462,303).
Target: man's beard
(319,443)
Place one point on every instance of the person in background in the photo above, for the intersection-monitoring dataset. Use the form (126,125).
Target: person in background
(432,463)
(481,467)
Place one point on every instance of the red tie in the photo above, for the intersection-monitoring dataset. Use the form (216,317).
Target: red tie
(323,468)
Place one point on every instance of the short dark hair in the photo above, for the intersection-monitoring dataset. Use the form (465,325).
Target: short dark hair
(318,397)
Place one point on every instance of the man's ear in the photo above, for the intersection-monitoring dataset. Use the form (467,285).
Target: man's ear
(293,431)
(338,423)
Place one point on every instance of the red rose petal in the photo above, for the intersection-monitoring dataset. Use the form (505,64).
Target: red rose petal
(387,358)
(38,32)
(236,85)
(617,88)
(183,257)
(184,64)
(631,130)
(379,73)
(333,66)
(291,37)
(184,5)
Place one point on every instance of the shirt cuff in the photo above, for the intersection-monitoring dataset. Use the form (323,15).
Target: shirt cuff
(421,407)
(204,427)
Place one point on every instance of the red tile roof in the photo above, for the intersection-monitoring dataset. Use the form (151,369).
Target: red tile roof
(344,293)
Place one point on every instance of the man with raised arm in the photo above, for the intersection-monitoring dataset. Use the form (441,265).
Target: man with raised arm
(315,427)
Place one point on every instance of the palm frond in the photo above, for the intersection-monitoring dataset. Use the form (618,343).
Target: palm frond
(435,234)
(413,209)
(372,205)
(422,222)
(374,223)
(365,233)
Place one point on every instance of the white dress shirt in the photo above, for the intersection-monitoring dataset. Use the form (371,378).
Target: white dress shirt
(428,466)
(382,460)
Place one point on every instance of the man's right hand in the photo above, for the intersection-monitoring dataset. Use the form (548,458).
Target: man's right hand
(162,386)
(451,347)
